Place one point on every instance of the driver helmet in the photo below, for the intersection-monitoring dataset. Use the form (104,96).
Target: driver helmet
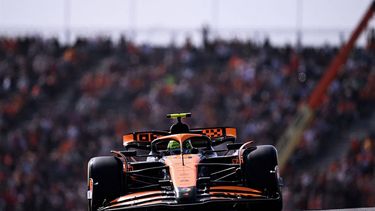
(173,146)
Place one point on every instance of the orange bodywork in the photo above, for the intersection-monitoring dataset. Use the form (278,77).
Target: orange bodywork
(231,131)
(127,138)
(137,195)
(183,167)
(235,191)
(183,175)
(236,188)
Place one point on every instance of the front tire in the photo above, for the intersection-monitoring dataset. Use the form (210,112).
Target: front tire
(106,173)
(261,172)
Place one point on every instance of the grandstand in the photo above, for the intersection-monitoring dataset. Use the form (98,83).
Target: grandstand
(60,104)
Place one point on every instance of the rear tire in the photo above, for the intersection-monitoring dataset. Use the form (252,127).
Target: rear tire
(260,172)
(108,180)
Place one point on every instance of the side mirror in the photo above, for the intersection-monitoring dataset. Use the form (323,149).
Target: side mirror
(229,139)
(234,146)
(129,153)
(223,139)
(144,147)
(138,145)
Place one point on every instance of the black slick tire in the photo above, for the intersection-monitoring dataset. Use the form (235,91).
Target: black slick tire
(260,172)
(106,173)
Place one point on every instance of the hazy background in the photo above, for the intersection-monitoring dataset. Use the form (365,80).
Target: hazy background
(161,21)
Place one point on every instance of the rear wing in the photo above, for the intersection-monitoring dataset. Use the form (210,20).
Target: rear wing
(216,132)
(143,140)
(218,135)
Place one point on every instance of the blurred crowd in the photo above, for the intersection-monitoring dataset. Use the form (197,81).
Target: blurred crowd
(61,105)
(348,182)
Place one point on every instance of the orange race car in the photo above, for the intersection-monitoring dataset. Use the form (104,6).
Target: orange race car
(185,168)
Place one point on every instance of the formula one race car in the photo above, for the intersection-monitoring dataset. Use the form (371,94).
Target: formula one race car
(185,168)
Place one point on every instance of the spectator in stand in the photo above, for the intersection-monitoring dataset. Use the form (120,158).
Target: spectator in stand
(347,183)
